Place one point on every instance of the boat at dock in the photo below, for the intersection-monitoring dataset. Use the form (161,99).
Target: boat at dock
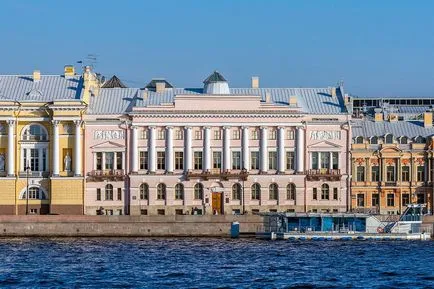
(345,226)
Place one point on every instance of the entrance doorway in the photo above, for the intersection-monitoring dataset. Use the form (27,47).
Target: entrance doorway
(217,193)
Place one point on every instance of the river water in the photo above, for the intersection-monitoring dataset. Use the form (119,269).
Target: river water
(214,263)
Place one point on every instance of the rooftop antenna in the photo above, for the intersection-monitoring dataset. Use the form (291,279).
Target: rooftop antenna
(92,60)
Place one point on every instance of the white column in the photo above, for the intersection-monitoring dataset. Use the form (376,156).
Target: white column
(331,160)
(207,149)
(169,149)
(56,149)
(245,140)
(152,155)
(103,161)
(226,148)
(134,149)
(77,148)
(11,148)
(264,149)
(188,153)
(281,149)
(41,160)
(299,150)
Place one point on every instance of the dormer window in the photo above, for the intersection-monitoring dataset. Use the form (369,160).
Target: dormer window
(359,140)
(373,140)
(419,139)
(403,140)
(388,139)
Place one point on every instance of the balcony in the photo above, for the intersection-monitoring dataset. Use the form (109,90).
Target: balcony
(323,175)
(218,174)
(105,175)
(34,174)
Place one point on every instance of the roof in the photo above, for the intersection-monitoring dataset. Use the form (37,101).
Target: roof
(113,82)
(113,101)
(392,97)
(411,129)
(49,88)
(153,83)
(215,77)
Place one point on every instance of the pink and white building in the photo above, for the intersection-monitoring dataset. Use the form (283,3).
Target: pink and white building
(216,149)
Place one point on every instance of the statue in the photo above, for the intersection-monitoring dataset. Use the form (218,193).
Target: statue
(67,162)
(2,162)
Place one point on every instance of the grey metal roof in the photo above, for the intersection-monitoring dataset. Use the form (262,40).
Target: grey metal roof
(153,83)
(113,83)
(392,97)
(113,101)
(49,88)
(411,129)
(215,77)
(413,109)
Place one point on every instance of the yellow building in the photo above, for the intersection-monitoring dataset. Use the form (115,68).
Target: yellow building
(41,143)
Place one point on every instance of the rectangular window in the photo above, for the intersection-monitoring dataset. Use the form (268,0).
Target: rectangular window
(179,160)
(109,161)
(315,161)
(161,160)
(161,212)
(335,159)
(216,160)
(236,160)
(420,173)
(360,174)
(390,200)
(197,134)
(375,200)
(119,194)
(290,134)
(143,159)
(325,160)
(98,194)
(119,161)
(272,160)
(98,161)
(144,134)
(34,160)
(375,174)
(197,160)
(335,193)
(289,160)
(179,135)
(315,194)
(218,134)
(360,200)
(273,134)
(405,174)
(255,134)
(254,160)
(236,134)
(161,134)
(405,199)
(390,173)
(143,212)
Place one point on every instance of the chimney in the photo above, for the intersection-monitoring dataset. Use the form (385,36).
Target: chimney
(160,86)
(427,119)
(347,99)
(378,115)
(145,94)
(255,81)
(293,100)
(393,117)
(333,91)
(267,97)
(69,71)
(36,75)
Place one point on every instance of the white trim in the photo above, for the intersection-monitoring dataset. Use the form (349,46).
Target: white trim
(21,197)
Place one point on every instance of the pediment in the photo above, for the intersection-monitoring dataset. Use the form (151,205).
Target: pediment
(324,144)
(387,150)
(107,145)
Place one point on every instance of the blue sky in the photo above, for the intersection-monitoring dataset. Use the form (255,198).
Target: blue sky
(375,47)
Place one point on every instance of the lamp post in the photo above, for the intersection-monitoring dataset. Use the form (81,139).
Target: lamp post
(243,172)
(27,189)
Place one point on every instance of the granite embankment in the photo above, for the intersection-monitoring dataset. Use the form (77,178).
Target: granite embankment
(126,226)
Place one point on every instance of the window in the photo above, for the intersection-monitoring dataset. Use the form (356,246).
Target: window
(256,191)
(315,160)
(389,139)
(34,194)
(390,200)
(31,159)
(35,132)
(179,134)
(360,174)
(315,194)
(109,192)
(119,160)
(144,134)
(98,194)
(290,134)
(403,140)
(254,160)
(197,160)
(335,159)
(390,173)
(143,212)
(161,160)
(198,191)
(217,160)
(290,191)
(98,161)
(255,134)
(272,160)
(274,191)
(179,192)
(161,134)
(419,139)
(290,160)
(197,134)
(143,159)
(161,191)
(420,173)
(161,212)
(236,134)
(273,134)
(375,174)
(236,191)
(325,160)
(217,134)
(335,193)
(375,200)
(236,160)
(109,161)
(360,200)
(373,140)
(405,173)
(179,160)
(359,140)
(325,192)
(144,191)
(405,199)
(119,194)
(420,199)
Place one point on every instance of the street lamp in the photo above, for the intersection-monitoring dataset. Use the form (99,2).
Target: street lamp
(243,172)
(27,189)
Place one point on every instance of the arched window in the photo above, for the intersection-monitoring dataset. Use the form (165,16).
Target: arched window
(359,139)
(179,192)
(290,191)
(34,132)
(35,193)
(236,191)
(274,191)
(373,140)
(109,192)
(198,191)
(389,138)
(403,140)
(325,192)
(419,139)
(144,191)
(256,191)
(161,191)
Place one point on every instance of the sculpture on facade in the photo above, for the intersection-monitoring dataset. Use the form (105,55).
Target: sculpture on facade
(67,162)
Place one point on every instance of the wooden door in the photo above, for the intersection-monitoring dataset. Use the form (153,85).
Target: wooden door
(217,203)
